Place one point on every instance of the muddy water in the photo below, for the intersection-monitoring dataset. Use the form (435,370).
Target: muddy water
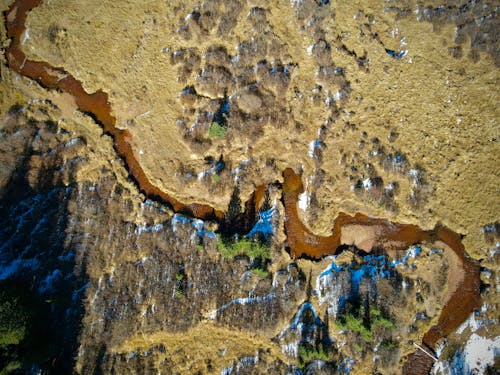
(364,232)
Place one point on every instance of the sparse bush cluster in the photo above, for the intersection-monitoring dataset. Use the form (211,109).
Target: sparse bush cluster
(365,171)
(14,319)
(491,232)
(308,353)
(217,131)
(247,87)
(258,251)
(229,248)
(368,322)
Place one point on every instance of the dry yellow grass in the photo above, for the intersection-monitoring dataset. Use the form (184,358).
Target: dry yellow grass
(189,350)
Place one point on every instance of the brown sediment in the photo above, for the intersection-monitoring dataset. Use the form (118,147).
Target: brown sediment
(419,362)
(359,230)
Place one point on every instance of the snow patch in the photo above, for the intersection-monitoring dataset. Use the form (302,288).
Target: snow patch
(480,352)
(304,201)
(264,224)
(48,282)
(148,228)
(242,301)
(345,367)
(15,266)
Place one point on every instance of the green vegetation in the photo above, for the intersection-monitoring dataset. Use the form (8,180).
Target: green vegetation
(389,344)
(254,249)
(260,272)
(30,333)
(355,323)
(383,322)
(10,367)
(215,178)
(217,131)
(179,294)
(14,327)
(12,321)
(378,320)
(308,353)
(179,277)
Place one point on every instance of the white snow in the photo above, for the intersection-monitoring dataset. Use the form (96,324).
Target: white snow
(367,183)
(304,201)
(480,352)
(72,142)
(242,301)
(26,35)
(471,322)
(148,228)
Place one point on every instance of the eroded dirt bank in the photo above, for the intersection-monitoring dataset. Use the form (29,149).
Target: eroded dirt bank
(364,232)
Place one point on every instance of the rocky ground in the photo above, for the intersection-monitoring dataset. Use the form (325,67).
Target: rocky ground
(385,108)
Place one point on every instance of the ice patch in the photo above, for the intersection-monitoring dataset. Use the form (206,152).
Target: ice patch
(15,266)
(301,330)
(26,36)
(335,97)
(396,54)
(304,198)
(264,224)
(412,253)
(198,225)
(313,145)
(48,282)
(67,257)
(242,301)
(216,169)
(148,228)
(471,323)
(304,201)
(75,296)
(479,353)
(236,171)
(345,367)
(367,183)
(332,282)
